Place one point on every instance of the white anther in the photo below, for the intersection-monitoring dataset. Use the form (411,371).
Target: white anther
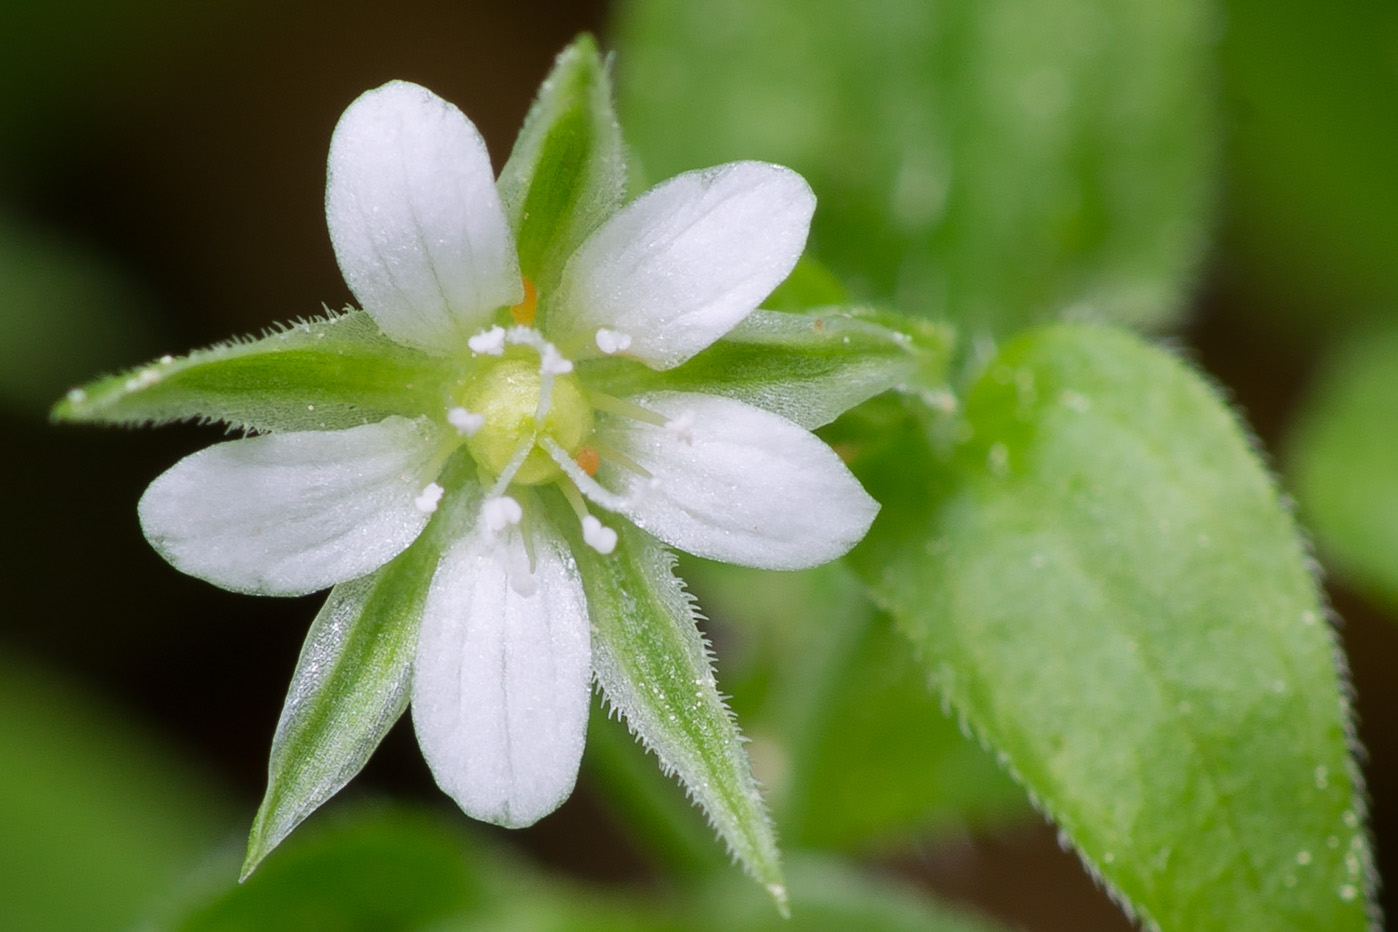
(552,361)
(682,427)
(77,396)
(612,341)
(500,512)
(426,502)
(488,342)
(598,536)
(464,421)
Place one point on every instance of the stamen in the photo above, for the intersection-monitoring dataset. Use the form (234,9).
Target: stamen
(588,460)
(507,475)
(488,342)
(586,483)
(464,421)
(682,427)
(621,459)
(499,512)
(426,502)
(612,341)
(620,406)
(552,361)
(597,536)
(523,312)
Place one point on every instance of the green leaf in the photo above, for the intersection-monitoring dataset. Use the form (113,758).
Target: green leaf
(990,161)
(98,818)
(68,312)
(863,755)
(325,373)
(1313,138)
(567,172)
(654,668)
(1102,580)
(829,895)
(376,870)
(808,367)
(1344,461)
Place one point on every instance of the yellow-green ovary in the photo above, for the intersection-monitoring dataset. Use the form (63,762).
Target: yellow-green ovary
(506,393)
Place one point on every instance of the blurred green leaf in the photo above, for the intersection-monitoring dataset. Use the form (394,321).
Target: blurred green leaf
(989,161)
(858,751)
(96,818)
(1343,461)
(328,372)
(1313,195)
(64,312)
(1101,578)
(371,871)
(828,895)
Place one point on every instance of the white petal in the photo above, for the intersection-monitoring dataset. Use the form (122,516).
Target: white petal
(739,484)
(417,225)
(501,682)
(287,514)
(678,267)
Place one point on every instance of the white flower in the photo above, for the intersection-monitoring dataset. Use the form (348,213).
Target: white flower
(502,672)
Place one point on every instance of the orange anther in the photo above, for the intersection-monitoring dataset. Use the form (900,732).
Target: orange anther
(588,460)
(523,312)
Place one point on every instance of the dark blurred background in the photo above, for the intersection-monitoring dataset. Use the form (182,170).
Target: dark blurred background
(161,181)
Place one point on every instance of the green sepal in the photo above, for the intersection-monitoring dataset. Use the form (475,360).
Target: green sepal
(809,367)
(567,172)
(353,679)
(325,373)
(1102,580)
(655,670)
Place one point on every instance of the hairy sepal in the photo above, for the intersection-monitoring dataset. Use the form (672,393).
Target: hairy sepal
(326,373)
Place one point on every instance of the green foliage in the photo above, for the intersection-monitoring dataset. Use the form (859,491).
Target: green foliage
(97,819)
(377,870)
(1312,192)
(1344,462)
(1100,578)
(993,163)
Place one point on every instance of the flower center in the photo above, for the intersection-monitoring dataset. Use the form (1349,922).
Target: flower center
(507,393)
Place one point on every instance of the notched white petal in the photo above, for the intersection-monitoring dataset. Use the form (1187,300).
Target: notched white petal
(738,484)
(287,514)
(417,225)
(686,261)
(501,681)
